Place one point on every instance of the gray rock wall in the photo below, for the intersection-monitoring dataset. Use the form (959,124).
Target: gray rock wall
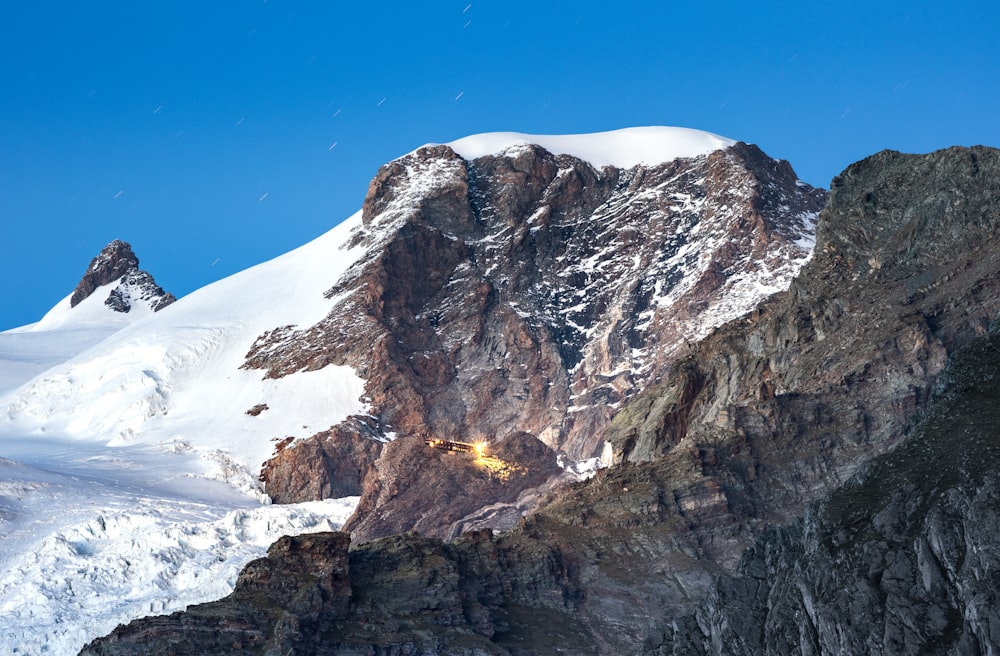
(901,560)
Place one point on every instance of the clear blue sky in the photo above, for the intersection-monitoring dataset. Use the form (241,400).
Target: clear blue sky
(215,135)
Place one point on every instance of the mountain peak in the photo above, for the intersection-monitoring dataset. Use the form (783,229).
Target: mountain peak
(531,292)
(624,149)
(118,262)
(114,261)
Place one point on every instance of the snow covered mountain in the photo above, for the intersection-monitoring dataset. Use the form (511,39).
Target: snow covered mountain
(819,476)
(95,531)
(505,287)
(173,379)
(112,293)
(528,292)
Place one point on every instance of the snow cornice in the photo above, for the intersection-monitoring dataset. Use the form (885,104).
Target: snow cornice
(624,148)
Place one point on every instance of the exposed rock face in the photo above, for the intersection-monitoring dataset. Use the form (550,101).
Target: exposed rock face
(879,363)
(117,263)
(441,493)
(285,599)
(901,560)
(836,371)
(331,465)
(114,261)
(529,292)
(401,595)
(138,287)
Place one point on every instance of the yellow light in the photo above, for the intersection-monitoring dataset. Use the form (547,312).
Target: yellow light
(480,449)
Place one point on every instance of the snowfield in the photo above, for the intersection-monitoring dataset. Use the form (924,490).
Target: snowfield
(173,380)
(623,149)
(128,464)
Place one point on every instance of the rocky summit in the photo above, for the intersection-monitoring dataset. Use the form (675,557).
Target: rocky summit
(817,476)
(117,263)
(525,293)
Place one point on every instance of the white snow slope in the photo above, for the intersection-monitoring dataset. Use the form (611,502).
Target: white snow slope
(92,537)
(63,332)
(128,464)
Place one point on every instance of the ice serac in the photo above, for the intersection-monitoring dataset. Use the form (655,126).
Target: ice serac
(528,291)
(117,263)
(819,477)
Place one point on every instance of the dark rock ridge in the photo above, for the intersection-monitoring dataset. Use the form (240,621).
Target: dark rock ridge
(117,263)
(531,293)
(877,402)
(835,371)
(433,492)
(114,261)
(401,595)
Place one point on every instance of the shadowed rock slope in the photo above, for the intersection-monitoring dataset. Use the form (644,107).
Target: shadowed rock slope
(901,560)
(790,400)
(868,388)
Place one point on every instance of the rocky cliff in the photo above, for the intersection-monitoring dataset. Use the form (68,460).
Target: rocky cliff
(836,370)
(530,293)
(900,560)
(867,388)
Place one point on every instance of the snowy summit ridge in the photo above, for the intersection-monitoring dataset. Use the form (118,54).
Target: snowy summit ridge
(625,148)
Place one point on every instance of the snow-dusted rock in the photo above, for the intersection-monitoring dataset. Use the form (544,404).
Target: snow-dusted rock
(525,290)
(117,263)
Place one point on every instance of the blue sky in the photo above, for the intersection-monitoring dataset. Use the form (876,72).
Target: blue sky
(216,135)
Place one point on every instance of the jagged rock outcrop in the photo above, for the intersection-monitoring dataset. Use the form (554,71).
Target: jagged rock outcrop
(869,388)
(285,599)
(401,595)
(117,263)
(530,292)
(442,493)
(331,465)
(114,261)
